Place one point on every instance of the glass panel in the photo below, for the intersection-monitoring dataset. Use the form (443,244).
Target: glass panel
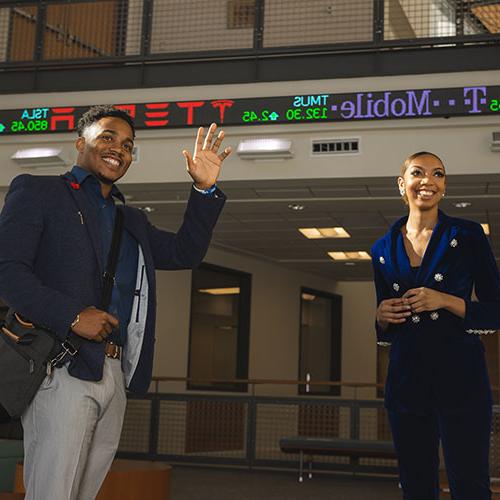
(84,30)
(197,25)
(295,22)
(410,19)
(22,33)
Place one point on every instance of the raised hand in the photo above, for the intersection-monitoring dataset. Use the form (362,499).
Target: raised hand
(204,166)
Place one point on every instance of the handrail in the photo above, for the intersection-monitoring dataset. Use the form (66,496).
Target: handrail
(261,381)
(264,381)
(258,381)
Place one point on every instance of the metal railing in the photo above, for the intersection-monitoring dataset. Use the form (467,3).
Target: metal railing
(244,430)
(103,31)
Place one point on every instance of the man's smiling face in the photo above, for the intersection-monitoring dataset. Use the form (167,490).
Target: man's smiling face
(105,149)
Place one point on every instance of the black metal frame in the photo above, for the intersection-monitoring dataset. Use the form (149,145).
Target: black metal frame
(336,342)
(376,43)
(342,60)
(243,336)
(250,461)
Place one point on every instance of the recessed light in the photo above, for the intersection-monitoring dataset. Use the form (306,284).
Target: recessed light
(296,206)
(39,157)
(147,209)
(462,204)
(308,296)
(314,233)
(265,148)
(354,255)
(220,291)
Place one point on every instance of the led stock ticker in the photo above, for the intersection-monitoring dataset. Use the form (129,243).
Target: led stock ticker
(316,108)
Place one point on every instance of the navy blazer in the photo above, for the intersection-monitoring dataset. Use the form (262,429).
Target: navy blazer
(436,359)
(51,263)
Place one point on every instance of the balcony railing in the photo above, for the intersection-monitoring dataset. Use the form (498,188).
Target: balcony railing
(244,430)
(103,31)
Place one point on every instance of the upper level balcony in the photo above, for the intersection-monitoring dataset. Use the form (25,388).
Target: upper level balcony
(45,45)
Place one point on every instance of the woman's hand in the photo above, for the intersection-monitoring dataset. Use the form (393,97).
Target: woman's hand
(392,311)
(204,166)
(426,299)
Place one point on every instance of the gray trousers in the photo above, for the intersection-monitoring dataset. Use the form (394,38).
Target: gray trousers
(71,433)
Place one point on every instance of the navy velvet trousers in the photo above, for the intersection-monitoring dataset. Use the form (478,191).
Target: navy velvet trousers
(465,439)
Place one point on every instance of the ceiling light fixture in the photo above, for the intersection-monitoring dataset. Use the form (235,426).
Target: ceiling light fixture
(296,206)
(462,204)
(308,296)
(265,149)
(220,291)
(314,233)
(39,157)
(355,255)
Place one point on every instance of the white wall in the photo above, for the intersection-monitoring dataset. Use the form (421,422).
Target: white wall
(463,142)
(359,348)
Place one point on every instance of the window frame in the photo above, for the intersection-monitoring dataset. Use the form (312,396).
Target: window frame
(243,332)
(336,342)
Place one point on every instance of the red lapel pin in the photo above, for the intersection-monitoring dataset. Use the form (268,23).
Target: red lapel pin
(75,185)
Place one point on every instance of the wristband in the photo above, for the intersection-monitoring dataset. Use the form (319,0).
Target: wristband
(205,191)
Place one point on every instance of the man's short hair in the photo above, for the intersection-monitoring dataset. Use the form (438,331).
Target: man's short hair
(95,113)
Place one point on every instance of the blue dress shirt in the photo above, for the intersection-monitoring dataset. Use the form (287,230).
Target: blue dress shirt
(126,271)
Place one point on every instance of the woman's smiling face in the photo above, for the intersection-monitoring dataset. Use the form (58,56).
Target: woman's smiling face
(423,182)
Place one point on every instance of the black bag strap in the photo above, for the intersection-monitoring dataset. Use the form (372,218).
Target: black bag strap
(71,345)
(110,273)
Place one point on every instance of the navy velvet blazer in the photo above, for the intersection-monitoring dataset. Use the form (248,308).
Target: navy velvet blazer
(51,262)
(436,359)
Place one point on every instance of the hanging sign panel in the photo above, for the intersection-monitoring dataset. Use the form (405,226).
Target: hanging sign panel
(313,108)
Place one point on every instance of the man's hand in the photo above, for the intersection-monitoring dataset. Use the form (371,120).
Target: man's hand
(392,311)
(204,165)
(95,324)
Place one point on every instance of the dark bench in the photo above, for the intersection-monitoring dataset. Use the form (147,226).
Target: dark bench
(356,448)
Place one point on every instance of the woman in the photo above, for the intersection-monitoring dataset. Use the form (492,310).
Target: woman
(437,386)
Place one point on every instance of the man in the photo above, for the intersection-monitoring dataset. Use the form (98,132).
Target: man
(59,231)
